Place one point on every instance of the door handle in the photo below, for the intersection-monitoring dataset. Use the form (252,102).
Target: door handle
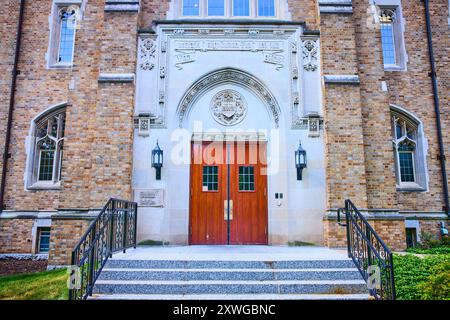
(225,210)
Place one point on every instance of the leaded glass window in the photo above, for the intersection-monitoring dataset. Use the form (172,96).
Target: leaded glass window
(210,178)
(405,148)
(191,7)
(216,7)
(266,8)
(246,178)
(387,28)
(67,25)
(49,134)
(241,8)
(44,240)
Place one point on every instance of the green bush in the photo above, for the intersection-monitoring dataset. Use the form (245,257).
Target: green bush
(422,278)
(437,287)
(430,241)
(437,250)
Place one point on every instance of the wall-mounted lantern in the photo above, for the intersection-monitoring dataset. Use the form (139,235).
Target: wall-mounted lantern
(300,160)
(444,230)
(157,160)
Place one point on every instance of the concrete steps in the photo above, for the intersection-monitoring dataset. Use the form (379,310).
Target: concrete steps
(230,280)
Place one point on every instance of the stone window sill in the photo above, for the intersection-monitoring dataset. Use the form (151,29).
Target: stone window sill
(410,187)
(393,67)
(61,66)
(45,186)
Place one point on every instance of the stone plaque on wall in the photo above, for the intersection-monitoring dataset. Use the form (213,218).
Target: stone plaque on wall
(150,197)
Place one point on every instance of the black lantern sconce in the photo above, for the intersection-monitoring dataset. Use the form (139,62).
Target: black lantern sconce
(157,160)
(444,230)
(300,160)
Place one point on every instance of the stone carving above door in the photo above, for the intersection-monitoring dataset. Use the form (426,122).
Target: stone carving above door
(228,107)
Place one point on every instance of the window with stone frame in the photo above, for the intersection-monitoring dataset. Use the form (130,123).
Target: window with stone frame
(392,39)
(230,8)
(48,146)
(408,151)
(62,40)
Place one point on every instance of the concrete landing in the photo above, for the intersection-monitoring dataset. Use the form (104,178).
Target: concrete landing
(232,253)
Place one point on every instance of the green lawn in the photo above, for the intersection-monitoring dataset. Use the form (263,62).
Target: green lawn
(48,285)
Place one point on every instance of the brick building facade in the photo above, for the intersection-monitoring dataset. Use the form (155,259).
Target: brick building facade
(103,94)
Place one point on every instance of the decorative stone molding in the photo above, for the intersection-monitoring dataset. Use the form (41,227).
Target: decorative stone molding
(229,136)
(228,107)
(187,50)
(336,6)
(147,52)
(122,5)
(144,125)
(228,75)
(341,79)
(116,77)
(310,55)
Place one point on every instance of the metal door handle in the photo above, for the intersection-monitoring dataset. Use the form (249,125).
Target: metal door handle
(225,210)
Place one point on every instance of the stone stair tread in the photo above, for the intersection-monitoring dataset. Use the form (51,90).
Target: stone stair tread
(363,296)
(227,282)
(227,270)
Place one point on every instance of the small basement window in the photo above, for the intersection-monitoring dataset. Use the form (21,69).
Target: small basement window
(411,237)
(43,240)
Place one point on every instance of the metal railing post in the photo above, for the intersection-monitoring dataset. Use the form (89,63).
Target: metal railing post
(369,243)
(71,289)
(347,221)
(391,267)
(111,229)
(125,227)
(92,260)
(135,224)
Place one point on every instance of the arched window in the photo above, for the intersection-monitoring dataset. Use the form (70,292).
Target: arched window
(47,145)
(409,151)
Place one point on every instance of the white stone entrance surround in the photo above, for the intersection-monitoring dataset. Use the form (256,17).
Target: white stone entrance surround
(276,69)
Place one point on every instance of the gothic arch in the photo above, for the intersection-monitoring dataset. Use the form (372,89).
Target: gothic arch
(223,76)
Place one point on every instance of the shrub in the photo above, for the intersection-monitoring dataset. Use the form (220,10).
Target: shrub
(437,287)
(422,278)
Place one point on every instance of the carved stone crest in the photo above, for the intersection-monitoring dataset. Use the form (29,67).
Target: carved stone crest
(147,52)
(310,55)
(228,107)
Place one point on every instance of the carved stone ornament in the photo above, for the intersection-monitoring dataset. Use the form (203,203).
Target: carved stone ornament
(147,54)
(310,55)
(228,107)
(226,76)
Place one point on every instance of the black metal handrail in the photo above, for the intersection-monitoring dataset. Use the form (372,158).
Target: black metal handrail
(367,249)
(113,230)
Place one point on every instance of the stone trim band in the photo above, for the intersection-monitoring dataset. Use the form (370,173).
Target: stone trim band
(336,6)
(341,79)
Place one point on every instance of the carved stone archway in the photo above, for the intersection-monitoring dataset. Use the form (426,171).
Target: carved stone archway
(224,76)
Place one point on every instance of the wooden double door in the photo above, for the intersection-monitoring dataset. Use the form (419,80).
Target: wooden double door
(228,193)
